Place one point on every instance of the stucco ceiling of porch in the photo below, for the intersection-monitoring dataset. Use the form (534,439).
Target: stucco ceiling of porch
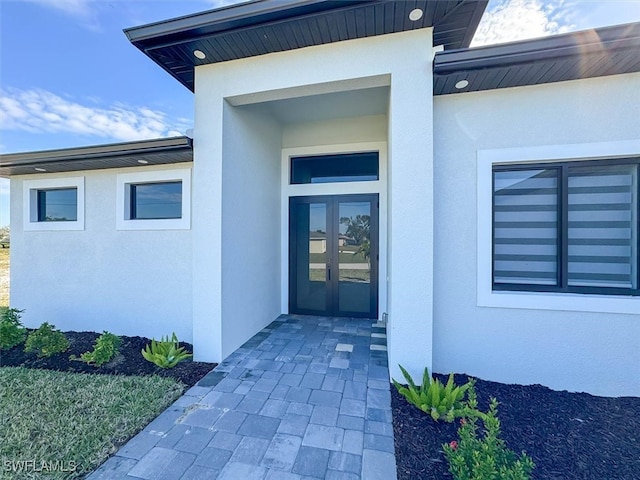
(327,106)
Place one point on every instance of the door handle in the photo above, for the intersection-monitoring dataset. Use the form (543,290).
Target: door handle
(328,271)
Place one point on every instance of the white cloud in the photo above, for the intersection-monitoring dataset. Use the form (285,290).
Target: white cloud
(223,3)
(84,11)
(510,20)
(40,111)
(77,8)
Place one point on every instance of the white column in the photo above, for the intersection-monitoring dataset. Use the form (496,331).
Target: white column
(206,220)
(410,329)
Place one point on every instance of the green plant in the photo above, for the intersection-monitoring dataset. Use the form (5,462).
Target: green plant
(486,458)
(434,398)
(165,353)
(46,341)
(105,348)
(12,332)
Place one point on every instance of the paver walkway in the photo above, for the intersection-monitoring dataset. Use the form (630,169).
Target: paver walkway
(307,397)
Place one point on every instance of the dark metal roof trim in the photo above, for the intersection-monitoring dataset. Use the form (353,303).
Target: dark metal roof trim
(589,53)
(118,155)
(231,17)
(267,26)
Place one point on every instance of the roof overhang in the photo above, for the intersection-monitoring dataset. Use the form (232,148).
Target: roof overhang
(267,26)
(589,53)
(131,154)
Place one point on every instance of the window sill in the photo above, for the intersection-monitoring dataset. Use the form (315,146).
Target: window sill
(574,302)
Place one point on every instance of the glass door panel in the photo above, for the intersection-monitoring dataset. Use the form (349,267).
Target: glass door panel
(308,232)
(354,256)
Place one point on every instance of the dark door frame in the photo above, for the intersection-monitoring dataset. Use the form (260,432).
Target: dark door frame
(332,290)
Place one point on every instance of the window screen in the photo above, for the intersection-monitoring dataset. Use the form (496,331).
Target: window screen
(568,227)
(602,236)
(525,219)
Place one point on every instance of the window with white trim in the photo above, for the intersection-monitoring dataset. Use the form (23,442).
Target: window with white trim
(154,200)
(566,227)
(54,204)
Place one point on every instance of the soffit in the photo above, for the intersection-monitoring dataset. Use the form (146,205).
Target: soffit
(328,106)
(268,26)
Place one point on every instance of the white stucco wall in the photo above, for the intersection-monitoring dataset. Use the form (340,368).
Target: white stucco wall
(401,62)
(339,131)
(101,278)
(250,224)
(563,349)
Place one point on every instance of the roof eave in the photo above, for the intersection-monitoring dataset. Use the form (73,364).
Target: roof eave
(230,17)
(95,157)
(584,42)
(170,43)
(597,44)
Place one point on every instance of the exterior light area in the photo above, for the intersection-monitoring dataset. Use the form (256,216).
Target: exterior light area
(415,14)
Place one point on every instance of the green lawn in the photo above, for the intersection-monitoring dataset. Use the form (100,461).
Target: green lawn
(72,421)
(4,277)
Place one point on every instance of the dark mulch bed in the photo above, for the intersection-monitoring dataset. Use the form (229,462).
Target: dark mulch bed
(568,435)
(129,361)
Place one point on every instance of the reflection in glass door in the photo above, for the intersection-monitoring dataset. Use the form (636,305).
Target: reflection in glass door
(333,242)
(309,241)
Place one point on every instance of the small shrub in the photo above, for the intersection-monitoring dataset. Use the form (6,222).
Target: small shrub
(486,458)
(165,353)
(12,332)
(46,341)
(105,348)
(434,398)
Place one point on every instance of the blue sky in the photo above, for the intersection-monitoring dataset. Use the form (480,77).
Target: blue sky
(69,77)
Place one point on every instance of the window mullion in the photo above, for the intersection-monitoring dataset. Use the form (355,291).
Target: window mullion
(638,227)
(132,203)
(41,206)
(493,228)
(563,237)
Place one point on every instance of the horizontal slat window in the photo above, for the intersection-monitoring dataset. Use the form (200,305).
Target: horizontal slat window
(525,227)
(602,226)
(567,227)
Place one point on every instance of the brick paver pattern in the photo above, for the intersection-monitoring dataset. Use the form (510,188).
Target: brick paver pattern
(305,398)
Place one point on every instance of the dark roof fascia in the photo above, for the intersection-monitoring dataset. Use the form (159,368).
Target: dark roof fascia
(231,17)
(618,38)
(89,158)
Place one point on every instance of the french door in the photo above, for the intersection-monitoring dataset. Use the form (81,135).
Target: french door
(333,255)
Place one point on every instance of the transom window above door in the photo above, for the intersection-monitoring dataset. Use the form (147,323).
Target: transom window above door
(347,167)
